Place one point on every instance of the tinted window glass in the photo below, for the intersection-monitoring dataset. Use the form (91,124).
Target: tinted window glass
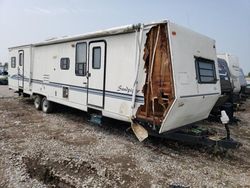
(205,70)
(207,79)
(81,59)
(13,62)
(21,58)
(81,55)
(204,65)
(223,69)
(64,63)
(96,62)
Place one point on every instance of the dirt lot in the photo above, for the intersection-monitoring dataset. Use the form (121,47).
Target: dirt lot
(64,150)
(6,93)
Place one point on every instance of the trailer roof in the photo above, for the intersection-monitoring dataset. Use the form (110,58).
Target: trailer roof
(101,33)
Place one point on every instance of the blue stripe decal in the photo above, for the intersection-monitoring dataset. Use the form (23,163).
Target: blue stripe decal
(199,95)
(19,77)
(111,94)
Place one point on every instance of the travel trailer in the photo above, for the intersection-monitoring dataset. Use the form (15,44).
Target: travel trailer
(247,90)
(234,68)
(225,77)
(225,102)
(158,76)
(243,82)
(225,82)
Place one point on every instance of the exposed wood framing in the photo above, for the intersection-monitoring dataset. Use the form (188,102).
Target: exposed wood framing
(158,89)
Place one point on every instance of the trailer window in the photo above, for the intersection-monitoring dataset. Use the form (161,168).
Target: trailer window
(13,62)
(21,58)
(205,70)
(96,58)
(223,69)
(64,63)
(81,59)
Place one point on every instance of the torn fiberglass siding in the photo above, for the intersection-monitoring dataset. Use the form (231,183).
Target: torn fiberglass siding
(158,88)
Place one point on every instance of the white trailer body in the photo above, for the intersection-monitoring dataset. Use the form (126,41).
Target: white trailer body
(243,82)
(234,68)
(160,74)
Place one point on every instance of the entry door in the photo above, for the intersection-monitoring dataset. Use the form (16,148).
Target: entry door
(20,69)
(96,74)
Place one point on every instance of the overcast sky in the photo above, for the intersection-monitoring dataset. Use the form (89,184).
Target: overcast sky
(29,21)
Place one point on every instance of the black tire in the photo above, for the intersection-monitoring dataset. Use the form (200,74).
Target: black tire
(38,102)
(47,106)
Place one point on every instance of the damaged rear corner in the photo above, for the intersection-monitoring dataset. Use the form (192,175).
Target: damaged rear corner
(158,89)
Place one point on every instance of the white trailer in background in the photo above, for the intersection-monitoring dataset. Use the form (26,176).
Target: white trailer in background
(234,68)
(243,81)
(160,75)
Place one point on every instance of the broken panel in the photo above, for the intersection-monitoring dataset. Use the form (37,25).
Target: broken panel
(158,89)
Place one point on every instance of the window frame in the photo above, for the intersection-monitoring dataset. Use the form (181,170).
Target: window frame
(222,66)
(21,54)
(199,60)
(67,63)
(84,64)
(93,55)
(11,63)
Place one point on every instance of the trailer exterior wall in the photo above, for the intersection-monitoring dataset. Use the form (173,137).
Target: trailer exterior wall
(243,81)
(234,68)
(194,100)
(225,79)
(120,69)
(20,73)
(47,78)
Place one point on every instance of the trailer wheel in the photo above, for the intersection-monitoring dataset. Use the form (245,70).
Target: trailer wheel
(47,105)
(38,102)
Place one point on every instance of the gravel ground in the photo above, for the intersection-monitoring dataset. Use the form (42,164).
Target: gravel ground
(64,150)
(6,93)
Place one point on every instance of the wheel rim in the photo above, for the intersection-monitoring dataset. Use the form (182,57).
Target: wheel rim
(37,103)
(45,105)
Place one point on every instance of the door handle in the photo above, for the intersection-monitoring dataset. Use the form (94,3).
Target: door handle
(85,83)
(88,74)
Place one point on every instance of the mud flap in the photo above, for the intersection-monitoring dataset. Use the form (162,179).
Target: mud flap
(140,132)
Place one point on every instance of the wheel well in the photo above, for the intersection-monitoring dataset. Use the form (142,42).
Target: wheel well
(35,94)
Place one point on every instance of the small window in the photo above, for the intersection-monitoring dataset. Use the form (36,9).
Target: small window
(96,58)
(81,59)
(64,63)
(205,69)
(21,58)
(223,69)
(13,62)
